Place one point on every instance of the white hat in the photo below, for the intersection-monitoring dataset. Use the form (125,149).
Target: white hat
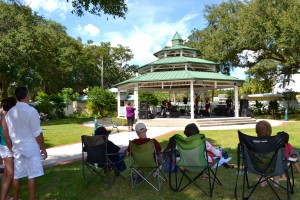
(140,127)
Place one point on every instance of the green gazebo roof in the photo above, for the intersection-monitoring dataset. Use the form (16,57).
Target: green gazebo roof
(177,67)
(180,75)
(178,60)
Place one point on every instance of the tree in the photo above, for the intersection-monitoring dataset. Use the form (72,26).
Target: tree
(149,97)
(289,96)
(244,33)
(254,86)
(16,30)
(101,102)
(34,51)
(114,60)
(55,58)
(68,95)
(116,8)
(265,75)
(39,54)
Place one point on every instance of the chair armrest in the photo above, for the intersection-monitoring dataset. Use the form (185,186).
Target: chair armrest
(294,156)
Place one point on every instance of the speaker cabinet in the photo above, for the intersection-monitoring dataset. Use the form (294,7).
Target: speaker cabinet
(244,104)
(143,105)
(185,100)
(143,114)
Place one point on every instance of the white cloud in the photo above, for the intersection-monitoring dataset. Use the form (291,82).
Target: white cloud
(148,37)
(50,6)
(89,30)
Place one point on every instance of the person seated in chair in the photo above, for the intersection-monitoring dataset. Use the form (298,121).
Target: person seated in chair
(264,129)
(141,131)
(192,129)
(120,153)
(290,152)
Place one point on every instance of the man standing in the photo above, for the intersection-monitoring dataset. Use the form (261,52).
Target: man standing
(24,138)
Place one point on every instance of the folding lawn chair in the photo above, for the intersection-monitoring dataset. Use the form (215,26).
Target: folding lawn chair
(114,124)
(263,158)
(192,164)
(96,164)
(144,165)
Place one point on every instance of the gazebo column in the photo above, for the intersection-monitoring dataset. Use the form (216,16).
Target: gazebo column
(192,99)
(119,102)
(236,101)
(136,100)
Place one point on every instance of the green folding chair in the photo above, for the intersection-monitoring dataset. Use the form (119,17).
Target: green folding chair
(115,124)
(144,165)
(192,164)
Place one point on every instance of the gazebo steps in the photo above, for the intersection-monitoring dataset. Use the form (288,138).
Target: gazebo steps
(204,122)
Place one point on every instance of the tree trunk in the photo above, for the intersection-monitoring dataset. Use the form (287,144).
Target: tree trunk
(4,88)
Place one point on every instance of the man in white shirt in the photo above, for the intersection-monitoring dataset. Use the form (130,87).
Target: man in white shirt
(24,138)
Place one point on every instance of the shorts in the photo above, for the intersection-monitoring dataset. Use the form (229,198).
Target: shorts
(28,165)
(130,121)
(5,152)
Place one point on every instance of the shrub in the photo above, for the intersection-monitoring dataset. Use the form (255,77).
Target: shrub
(101,102)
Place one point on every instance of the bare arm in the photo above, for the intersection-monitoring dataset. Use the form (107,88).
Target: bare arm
(40,141)
(6,134)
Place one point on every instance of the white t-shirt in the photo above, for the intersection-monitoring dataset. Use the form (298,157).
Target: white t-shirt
(23,123)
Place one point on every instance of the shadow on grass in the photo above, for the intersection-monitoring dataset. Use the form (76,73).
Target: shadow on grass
(65,182)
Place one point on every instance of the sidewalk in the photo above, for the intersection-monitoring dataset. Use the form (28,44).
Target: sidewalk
(66,153)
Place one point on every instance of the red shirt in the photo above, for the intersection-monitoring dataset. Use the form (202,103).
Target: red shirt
(288,149)
(139,141)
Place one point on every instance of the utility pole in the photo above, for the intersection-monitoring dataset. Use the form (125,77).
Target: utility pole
(102,72)
(101,68)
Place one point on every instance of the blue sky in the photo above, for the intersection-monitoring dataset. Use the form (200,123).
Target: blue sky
(149,25)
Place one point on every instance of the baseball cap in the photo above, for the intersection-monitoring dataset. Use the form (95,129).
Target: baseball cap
(102,131)
(140,127)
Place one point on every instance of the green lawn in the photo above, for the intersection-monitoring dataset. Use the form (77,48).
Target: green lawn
(64,131)
(65,181)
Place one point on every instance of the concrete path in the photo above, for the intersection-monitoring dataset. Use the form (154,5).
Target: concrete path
(67,153)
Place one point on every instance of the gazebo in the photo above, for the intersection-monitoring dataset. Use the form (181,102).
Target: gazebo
(178,68)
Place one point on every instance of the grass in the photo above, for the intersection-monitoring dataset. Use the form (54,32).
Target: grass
(65,181)
(64,131)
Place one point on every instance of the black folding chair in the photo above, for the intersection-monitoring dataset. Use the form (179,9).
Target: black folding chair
(263,157)
(96,164)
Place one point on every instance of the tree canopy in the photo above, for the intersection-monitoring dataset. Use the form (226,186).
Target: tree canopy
(39,54)
(245,33)
(116,8)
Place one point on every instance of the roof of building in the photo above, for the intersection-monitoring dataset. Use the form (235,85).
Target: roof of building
(177,36)
(178,60)
(180,75)
(175,47)
(175,68)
